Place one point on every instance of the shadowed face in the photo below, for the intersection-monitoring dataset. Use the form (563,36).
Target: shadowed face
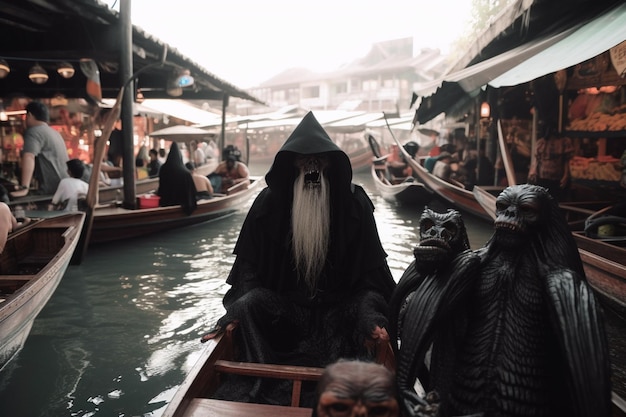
(357,389)
(312,168)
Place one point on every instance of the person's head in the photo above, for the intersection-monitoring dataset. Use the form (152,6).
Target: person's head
(75,168)
(153,154)
(445,157)
(190,166)
(162,152)
(231,161)
(412,148)
(38,111)
(193,145)
(357,388)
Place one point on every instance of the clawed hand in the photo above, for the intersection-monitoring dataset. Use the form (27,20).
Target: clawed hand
(380,333)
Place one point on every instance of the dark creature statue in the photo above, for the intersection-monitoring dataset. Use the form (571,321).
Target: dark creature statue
(442,238)
(521,336)
(442,259)
(356,389)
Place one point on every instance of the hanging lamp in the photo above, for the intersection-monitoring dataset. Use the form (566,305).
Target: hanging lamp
(4,68)
(37,74)
(65,70)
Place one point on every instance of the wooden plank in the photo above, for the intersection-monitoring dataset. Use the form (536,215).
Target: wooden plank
(16,277)
(203,407)
(269,371)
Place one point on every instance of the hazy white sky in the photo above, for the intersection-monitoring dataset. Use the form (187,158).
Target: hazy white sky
(246,42)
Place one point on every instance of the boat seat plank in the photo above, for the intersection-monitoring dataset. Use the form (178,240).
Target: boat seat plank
(269,371)
(203,407)
(296,374)
(16,277)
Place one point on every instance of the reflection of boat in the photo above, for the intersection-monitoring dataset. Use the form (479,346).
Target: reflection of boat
(32,264)
(404,190)
(112,223)
(193,397)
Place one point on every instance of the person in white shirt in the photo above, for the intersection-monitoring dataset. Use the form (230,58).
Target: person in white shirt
(198,156)
(70,190)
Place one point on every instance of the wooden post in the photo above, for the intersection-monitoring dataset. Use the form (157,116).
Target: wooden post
(128,129)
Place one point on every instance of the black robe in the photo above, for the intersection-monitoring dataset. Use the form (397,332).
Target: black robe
(176,183)
(280,321)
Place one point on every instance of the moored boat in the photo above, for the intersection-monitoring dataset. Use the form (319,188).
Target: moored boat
(111,222)
(402,190)
(32,264)
(451,192)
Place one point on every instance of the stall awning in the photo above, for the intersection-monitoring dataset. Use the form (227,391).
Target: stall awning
(181,110)
(478,75)
(526,62)
(587,41)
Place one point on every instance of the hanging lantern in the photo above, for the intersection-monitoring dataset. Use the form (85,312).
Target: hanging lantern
(485,110)
(37,74)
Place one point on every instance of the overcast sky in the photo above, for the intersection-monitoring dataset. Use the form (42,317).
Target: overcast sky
(246,42)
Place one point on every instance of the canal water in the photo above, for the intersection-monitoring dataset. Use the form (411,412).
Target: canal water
(122,329)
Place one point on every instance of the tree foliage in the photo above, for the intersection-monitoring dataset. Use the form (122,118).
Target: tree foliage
(481,15)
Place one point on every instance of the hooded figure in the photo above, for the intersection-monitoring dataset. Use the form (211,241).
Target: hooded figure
(310,283)
(176,183)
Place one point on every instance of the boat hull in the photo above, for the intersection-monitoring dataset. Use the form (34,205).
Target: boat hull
(20,308)
(405,192)
(451,193)
(116,223)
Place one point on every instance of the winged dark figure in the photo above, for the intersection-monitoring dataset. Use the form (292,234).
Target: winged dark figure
(520,335)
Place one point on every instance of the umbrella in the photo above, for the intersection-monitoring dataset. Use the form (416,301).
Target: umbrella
(180,130)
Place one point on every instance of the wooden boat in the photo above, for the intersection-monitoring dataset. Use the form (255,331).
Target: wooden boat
(403,190)
(360,159)
(32,264)
(193,397)
(111,222)
(107,193)
(451,192)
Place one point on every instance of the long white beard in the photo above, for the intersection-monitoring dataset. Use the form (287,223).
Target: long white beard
(310,223)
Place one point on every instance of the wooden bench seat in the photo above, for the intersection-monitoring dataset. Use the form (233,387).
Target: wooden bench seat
(203,407)
(17,278)
(296,374)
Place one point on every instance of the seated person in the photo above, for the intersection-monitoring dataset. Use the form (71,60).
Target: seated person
(442,168)
(154,165)
(230,172)
(176,184)
(479,170)
(71,189)
(398,166)
(204,189)
(8,224)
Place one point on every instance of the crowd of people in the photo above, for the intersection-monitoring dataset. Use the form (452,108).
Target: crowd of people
(46,169)
(466,164)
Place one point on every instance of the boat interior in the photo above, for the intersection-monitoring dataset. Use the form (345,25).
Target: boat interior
(27,252)
(220,363)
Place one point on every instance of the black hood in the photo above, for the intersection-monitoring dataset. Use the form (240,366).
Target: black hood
(309,137)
